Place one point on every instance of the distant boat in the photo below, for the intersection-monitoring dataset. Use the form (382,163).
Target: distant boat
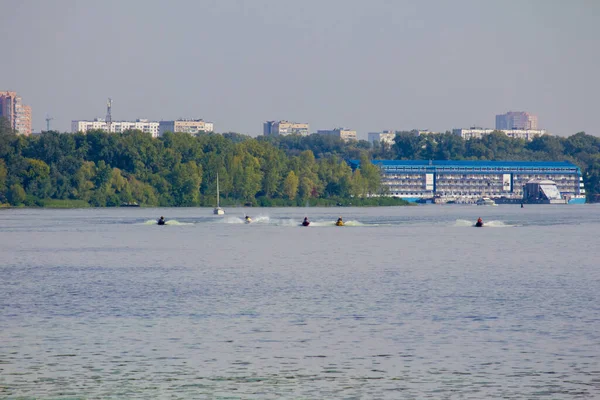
(218,210)
(133,204)
(486,201)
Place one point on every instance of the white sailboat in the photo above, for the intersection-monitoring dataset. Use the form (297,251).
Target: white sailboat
(218,210)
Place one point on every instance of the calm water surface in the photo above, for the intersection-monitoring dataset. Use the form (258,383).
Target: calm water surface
(402,303)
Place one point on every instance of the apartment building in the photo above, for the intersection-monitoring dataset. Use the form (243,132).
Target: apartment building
(342,133)
(143,125)
(273,128)
(478,133)
(17,113)
(191,126)
(513,120)
(385,137)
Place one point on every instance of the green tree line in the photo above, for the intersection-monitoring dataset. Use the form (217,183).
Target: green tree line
(101,169)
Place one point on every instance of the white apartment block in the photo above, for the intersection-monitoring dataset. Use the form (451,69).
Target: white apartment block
(342,133)
(191,126)
(143,125)
(285,128)
(385,137)
(478,133)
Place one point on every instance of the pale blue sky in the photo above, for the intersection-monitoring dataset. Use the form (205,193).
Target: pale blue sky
(367,65)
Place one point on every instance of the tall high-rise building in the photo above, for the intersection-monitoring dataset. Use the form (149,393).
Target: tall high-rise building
(17,114)
(516,120)
(285,128)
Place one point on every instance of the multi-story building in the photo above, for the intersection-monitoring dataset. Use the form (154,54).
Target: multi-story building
(415,179)
(385,137)
(191,126)
(342,133)
(17,114)
(516,120)
(115,126)
(478,133)
(273,128)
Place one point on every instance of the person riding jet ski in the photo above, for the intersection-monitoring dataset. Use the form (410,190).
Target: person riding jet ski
(247,219)
(161,220)
(339,222)
(306,222)
(479,223)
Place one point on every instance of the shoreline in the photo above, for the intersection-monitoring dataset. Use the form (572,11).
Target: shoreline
(3,207)
(257,203)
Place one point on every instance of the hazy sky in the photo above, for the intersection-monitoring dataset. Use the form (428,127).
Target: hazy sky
(368,65)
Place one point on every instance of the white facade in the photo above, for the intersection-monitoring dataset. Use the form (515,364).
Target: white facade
(342,133)
(116,126)
(285,128)
(385,137)
(478,133)
(527,134)
(191,126)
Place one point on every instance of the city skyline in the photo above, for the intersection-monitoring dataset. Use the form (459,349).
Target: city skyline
(369,66)
(522,125)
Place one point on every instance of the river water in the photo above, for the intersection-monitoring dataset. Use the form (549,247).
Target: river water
(401,303)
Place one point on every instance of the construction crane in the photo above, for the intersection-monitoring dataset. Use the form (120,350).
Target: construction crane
(48,119)
(109,114)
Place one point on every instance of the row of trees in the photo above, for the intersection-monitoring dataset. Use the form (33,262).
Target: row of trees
(102,169)
(177,169)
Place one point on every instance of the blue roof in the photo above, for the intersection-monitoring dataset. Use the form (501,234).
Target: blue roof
(471,163)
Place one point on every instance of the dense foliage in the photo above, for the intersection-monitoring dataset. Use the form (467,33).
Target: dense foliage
(101,169)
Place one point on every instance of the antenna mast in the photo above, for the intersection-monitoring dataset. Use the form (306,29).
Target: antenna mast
(108,114)
(48,119)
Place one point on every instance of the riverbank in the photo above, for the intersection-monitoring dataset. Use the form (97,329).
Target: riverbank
(260,202)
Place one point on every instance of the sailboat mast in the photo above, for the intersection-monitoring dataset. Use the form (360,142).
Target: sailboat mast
(217,190)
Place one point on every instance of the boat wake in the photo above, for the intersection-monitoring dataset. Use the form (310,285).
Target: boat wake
(332,223)
(486,224)
(266,220)
(241,220)
(171,222)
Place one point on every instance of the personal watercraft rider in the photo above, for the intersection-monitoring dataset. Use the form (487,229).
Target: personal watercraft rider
(161,220)
(247,219)
(306,222)
(339,222)
(479,222)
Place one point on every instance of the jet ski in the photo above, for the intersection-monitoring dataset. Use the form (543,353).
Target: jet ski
(247,219)
(305,223)
(479,224)
(161,221)
(339,222)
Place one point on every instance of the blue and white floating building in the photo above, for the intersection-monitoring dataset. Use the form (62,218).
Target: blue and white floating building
(466,181)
